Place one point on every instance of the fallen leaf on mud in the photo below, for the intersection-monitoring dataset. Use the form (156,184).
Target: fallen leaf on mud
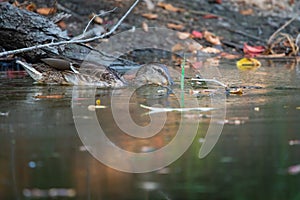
(210,16)
(31,7)
(183,35)
(150,4)
(248,64)
(169,7)
(145,26)
(246,12)
(177,47)
(236,91)
(150,15)
(253,50)
(46,11)
(197,35)
(96,19)
(210,50)
(62,25)
(211,38)
(55,96)
(175,26)
(229,56)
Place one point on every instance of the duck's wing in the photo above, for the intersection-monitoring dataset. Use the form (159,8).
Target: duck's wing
(92,75)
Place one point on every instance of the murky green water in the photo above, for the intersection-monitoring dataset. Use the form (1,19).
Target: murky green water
(256,156)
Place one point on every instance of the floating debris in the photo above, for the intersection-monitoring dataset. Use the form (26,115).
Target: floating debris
(94,107)
(52,192)
(4,114)
(55,96)
(293,170)
(294,142)
(158,110)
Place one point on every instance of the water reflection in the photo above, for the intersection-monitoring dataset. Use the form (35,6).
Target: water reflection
(42,156)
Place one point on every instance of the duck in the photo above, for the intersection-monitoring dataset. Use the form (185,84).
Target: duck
(62,72)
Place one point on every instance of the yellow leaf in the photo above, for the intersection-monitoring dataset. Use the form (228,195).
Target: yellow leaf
(248,64)
(236,91)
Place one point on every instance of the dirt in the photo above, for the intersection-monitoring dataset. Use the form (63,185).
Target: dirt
(235,22)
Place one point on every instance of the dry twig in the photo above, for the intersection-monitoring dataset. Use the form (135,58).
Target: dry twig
(6,53)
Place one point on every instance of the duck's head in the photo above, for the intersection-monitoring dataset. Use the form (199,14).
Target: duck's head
(153,73)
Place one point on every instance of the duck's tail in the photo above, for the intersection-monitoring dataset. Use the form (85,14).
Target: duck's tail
(36,75)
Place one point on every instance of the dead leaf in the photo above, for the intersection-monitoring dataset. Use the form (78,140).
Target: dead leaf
(210,16)
(211,38)
(96,19)
(229,56)
(150,15)
(197,35)
(46,11)
(253,50)
(169,7)
(31,7)
(177,47)
(150,4)
(248,64)
(62,25)
(194,47)
(175,26)
(145,26)
(236,91)
(247,11)
(210,50)
(183,35)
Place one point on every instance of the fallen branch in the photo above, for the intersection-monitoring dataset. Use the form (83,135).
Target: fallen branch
(280,29)
(22,50)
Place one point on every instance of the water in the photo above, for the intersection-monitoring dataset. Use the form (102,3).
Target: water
(256,156)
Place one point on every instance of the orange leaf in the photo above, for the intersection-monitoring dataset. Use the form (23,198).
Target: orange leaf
(175,26)
(150,15)
(31,7)
(62,25)
(211,38)
(229,56)
(170,7)
(96,19)
(57,96)
(46,11)
(246,12)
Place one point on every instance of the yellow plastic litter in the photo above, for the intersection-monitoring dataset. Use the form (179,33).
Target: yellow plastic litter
(248,64)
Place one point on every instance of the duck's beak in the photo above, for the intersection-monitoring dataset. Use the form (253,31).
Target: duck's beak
(36,75)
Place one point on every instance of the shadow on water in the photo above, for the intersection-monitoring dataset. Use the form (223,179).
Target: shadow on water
(256,157)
